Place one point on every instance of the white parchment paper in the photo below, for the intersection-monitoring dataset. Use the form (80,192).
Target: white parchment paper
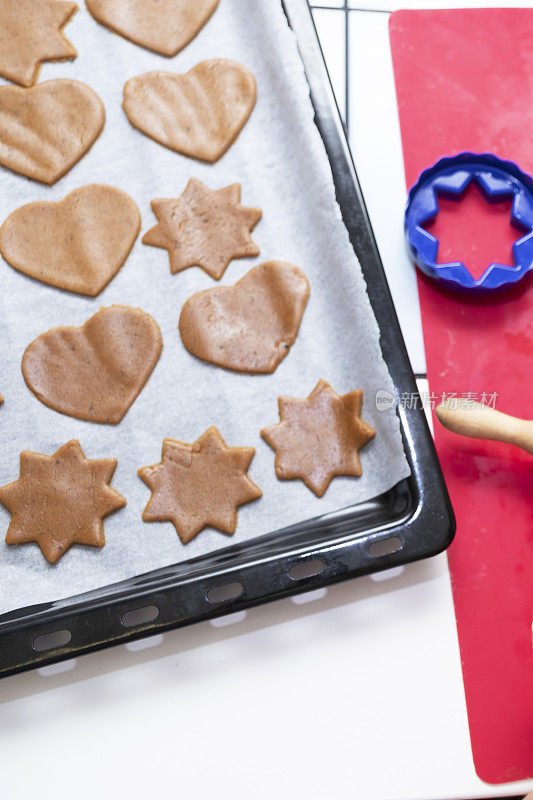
(280,161)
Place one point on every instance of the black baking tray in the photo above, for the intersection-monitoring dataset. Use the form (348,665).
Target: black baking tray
(411,521)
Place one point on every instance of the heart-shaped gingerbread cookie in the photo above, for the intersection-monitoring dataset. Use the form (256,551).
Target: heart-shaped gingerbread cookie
(45,130)
(199,114)
(78,244)
(94,372)
(165,26)
(249,327)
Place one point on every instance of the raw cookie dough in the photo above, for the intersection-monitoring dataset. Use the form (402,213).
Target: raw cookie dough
(60,500)
(204,228)
(165,26)
(199,485)
(199,114)
(78,244)
(319,437)
(30,33)
(249,327)
(94,372)
(45,130)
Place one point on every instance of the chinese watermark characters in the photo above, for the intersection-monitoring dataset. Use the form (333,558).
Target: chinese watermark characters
(429,400)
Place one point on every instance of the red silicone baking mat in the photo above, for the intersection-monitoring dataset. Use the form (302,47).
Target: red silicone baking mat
(464,81)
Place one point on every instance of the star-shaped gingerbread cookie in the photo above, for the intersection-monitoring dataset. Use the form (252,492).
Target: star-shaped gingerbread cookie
(199,485)
(204,228)
(31,31)
(60,500)
(319,437)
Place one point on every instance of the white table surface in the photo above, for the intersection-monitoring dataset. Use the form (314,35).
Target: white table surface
(353,692)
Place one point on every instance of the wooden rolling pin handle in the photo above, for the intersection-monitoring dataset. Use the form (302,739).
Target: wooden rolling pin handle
(482,422)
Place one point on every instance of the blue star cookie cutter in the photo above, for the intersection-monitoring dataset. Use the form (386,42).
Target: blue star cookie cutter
(450,176)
